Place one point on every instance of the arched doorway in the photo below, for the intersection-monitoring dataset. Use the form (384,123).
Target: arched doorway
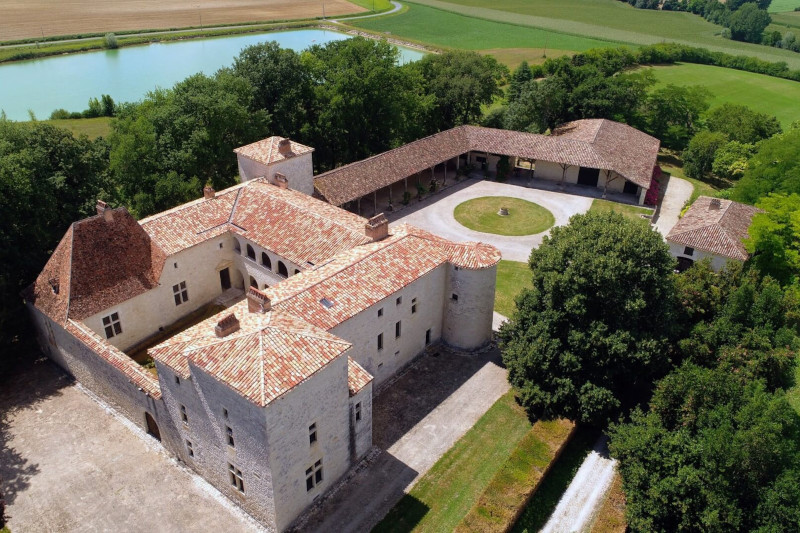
(152,427)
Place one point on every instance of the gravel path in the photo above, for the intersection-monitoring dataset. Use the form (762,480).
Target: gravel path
(584,496)
(676,193)
(436,214)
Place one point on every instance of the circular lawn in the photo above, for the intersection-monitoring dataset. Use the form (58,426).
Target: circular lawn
(524,218)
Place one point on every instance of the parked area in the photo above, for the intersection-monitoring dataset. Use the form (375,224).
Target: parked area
(69,464)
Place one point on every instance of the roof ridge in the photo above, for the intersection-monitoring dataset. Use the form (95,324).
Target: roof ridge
(312,335)
(262,375)
(71,231)
(190,203)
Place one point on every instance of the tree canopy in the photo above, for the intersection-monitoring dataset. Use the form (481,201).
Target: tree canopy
(713,453)
(742,124)
(775,167)
(774,242)
(592,333)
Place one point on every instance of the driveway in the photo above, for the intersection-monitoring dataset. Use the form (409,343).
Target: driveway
(435,214)
(416,419)
(676,192)
(69,464)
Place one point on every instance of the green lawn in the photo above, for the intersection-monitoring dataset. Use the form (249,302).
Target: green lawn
(91,127)
(448,29)
(546,497)
(779,6)
(376,5)
(630,211)
(524,218)
(512,277)
(445,494)
(608,20)
(774,96)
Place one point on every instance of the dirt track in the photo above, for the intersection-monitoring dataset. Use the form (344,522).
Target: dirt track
(21,19)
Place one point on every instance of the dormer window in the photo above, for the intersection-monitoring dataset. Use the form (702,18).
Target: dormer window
(327,304)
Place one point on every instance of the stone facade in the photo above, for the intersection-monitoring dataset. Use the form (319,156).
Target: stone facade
(299,171)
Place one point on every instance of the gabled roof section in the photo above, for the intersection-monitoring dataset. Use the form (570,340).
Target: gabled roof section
(269,355)
(357,377)
(594,143)
(267,151)
(294,225)
(716,226)
(352,281)
(291,224)
(101,262)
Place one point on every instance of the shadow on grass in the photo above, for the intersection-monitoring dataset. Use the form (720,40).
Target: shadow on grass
(403,517)
(545,499)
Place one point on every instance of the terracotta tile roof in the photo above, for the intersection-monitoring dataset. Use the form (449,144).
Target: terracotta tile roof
(294,225)
(357,377)
(266,151)
(720,231)
(269,355)
(595,143)
(357,279)
(130,368)
(98,264)
(291,224)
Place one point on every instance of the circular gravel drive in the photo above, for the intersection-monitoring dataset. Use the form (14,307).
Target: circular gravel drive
(435,214)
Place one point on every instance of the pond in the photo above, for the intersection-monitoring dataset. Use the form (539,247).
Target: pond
(127,74)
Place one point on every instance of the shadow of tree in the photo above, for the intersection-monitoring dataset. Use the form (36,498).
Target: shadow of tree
(28,383)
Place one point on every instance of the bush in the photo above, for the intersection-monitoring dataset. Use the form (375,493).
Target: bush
(110,41)
(59,114)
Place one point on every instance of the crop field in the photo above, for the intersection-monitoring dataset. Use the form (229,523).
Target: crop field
(780,6)
(448,29)
(605,20)
(23,19)
(766,94)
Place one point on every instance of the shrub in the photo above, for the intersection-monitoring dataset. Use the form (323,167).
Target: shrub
(110,41)
(59,114)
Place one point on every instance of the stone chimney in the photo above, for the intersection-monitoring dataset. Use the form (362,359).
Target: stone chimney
(281,181)
(227,325)
(715,203)
(285,148)
(103,209)
(377,227)
(209,193)
(257,301)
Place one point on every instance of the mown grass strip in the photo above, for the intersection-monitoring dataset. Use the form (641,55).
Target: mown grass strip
(442,497)
(504,499)
(611,517)
(512,277)
(629,211)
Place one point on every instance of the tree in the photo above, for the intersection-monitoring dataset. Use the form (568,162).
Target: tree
(281,85)
(186,133)
(775,167)
(587,341)
(522,75)
(673,113)
(730,161)
(48,179)
(363,101)
(461,84)
(748,23)
(698,157)
(774,241)
(713,453)
(742,124)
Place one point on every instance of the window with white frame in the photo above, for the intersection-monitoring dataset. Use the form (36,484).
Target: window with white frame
(314,475)
(229,433)
(112,325)
(180,293)
(312,433)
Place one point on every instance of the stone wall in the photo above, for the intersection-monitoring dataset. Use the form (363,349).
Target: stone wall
(718,262)
(299,171)
(469,307)
(363,329)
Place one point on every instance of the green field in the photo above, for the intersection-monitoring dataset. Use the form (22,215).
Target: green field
(447,29)
(91,127)
(778,6)
(523,218)
(605,20)
(774,96)
(373,5)
(512,277)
